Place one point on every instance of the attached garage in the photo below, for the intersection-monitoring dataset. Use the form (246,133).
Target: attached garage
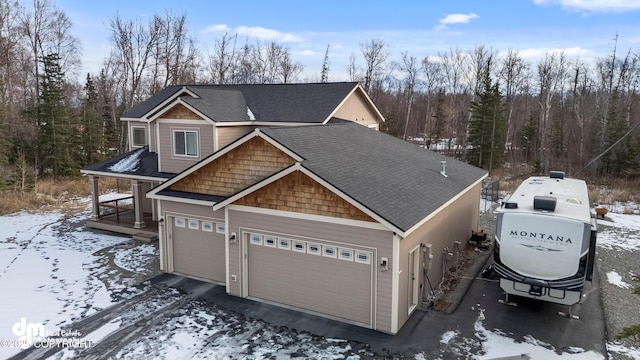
(331,279)
(197,248)
(337,220)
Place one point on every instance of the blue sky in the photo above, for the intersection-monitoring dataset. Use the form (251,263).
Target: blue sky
(584,28)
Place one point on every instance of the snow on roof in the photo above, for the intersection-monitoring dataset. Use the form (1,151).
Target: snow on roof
(250,114)
(127,164)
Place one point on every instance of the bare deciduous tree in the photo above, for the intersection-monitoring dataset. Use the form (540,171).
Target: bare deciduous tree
(551,73)
(224,58)
(375,54)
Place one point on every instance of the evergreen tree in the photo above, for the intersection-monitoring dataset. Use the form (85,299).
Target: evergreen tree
(57,135)
(487,128)
(440,119)
(324,74)
(93,135)
(623,154)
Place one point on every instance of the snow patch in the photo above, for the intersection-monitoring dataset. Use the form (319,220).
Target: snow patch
(615,279)
(448,336)
(616,348)
(129,163)
(250,114)
(496,345)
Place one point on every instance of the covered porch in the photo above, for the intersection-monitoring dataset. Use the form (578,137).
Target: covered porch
(130,211)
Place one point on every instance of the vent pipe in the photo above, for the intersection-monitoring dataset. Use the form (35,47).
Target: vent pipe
(443,168)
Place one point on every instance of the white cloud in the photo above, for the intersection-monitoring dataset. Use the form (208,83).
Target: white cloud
(594,5)
(307,53)
(539,53)
(261,33)
(456,19)
(256,32)
(216,28)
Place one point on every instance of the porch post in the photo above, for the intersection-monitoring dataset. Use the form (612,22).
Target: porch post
(95,197)
(137,204)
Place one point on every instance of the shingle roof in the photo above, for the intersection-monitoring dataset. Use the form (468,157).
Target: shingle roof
(301,103)
(399,181)
(147,165)
(144,107)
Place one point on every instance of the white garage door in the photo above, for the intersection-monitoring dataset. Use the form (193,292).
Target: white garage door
(198,248)
(316,276)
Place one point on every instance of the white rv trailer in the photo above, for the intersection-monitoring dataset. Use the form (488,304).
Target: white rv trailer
(545,239)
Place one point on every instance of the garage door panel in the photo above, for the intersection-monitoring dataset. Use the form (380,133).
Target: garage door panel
(198,253)
(323,284)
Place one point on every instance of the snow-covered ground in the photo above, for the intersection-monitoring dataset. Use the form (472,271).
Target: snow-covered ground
(54,272)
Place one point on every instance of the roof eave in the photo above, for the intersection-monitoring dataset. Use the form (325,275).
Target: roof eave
(180,199)
(122,175)
(185,104)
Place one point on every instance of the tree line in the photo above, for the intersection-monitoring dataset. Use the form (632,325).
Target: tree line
(492,108)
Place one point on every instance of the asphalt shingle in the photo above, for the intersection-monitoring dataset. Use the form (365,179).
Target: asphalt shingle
(300,103)
(399,181)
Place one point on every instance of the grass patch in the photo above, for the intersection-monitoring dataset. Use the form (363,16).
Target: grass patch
(54,193)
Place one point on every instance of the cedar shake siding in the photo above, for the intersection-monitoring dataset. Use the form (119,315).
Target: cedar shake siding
(180,111)
(243,221)
(297,192)
(236,170)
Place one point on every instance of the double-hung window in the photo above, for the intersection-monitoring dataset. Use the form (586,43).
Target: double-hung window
(185,142)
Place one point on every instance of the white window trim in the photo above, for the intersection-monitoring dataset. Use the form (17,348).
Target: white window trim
(194,224)
(341,257)
(173,141)
(180,222)
(284,247)
(298,242)
(268,238)
(256,239)
(318,246)
(220,228)
(207,226)
(327,247)
(358,260)
(146,138)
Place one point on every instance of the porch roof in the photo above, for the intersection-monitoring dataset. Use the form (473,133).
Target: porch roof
(138,163)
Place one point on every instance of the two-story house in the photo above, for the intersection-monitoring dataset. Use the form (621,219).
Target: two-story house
(298,202)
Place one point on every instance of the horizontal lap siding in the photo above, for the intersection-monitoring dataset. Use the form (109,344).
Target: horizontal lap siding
(379,242)
(355,108)
(174,164)
(153,138)
(228,134)
(454,223)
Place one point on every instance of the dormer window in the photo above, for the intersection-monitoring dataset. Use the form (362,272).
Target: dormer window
(185,143)
(138,136)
